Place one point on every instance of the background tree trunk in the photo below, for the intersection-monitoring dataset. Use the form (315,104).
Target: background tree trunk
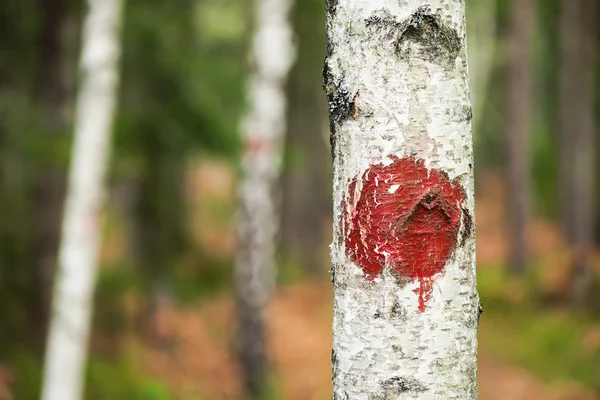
(580,132)
(306,180)
(519,122)
(159,230)
(403,254)
(49,175)
(570,59)
(481,18)
(78,256)
(263,130)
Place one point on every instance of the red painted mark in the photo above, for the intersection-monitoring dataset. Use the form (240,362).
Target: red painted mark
(405,217)
(257,145)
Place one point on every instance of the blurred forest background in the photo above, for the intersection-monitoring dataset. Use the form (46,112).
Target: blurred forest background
(164,314)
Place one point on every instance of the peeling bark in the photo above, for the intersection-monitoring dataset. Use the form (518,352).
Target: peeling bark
(80,241)
(406,307)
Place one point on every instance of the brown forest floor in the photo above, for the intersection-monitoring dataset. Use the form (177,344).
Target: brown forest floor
(200,362)
(196,358)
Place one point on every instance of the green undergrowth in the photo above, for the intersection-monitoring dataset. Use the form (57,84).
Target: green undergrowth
(290,270)
(116,378)
(551,340)
(122,379)
(27,368)
(201,280)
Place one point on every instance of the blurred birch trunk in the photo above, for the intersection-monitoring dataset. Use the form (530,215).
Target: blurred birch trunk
(263,130)
(64,366)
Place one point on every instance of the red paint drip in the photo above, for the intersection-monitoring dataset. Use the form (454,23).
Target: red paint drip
(405,217)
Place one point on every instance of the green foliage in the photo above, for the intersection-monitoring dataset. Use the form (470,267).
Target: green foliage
(490,139)
(545,174)
(112,286)
(204,278)
(290,270)
(27,367)
(121,379)
(182,93)
(524,331)
(116,378)
(182,82)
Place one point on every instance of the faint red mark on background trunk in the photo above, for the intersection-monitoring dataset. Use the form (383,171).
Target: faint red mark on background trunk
(403,216)
(259,145)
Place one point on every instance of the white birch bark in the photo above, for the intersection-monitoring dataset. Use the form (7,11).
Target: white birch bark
(397,82)
(263,129)
(78,255)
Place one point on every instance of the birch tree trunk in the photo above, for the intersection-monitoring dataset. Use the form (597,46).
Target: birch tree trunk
(403,254)
(78,255)
(263,129)
(519,116)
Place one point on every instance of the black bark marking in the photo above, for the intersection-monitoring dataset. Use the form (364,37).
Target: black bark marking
(331,7)
(467,226)
(435,41)
(328,46)
(468,112)
(401,384)
(334,364)
(398,312)
(341,100)
(334,359)
(332,137)
(342,103)
(382,19)
(332,274)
